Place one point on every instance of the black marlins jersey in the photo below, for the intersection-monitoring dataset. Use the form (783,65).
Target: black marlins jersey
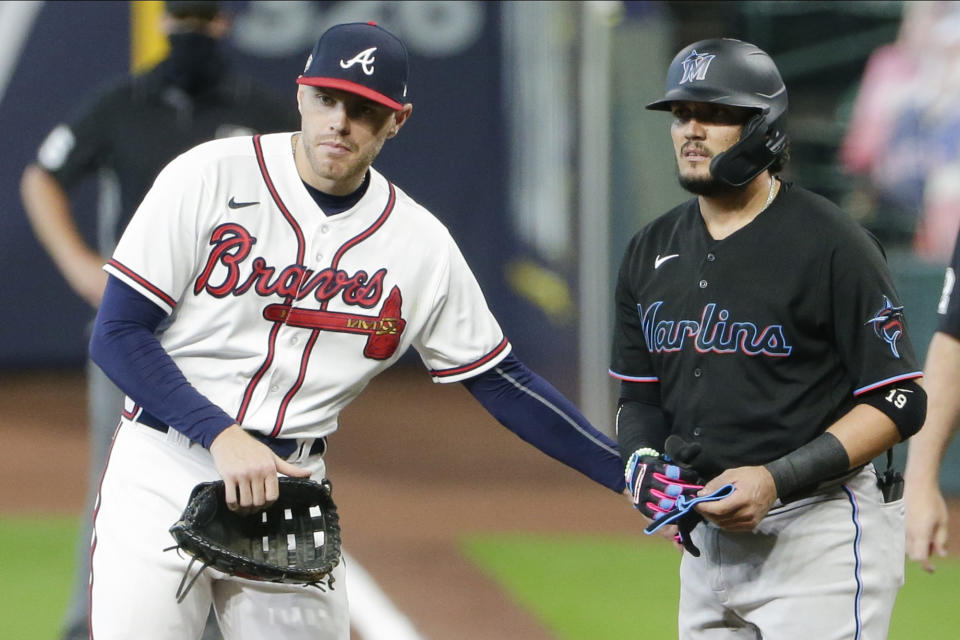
(753,345)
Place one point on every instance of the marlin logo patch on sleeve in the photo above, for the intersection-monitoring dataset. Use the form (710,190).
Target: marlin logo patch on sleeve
(888,324)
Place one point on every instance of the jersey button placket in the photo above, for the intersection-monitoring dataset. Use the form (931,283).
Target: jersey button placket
(697,374)
(710,257)
(321,238)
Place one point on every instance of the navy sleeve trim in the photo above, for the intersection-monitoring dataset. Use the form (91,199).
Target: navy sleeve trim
(624,377)
(476,364)
(143,282)
(534,410)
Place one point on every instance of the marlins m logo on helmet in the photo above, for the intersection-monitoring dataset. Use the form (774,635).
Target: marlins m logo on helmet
(695,66)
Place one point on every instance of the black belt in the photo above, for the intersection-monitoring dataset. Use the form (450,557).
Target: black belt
(283,447)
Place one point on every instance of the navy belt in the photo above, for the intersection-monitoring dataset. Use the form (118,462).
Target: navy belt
(283,447)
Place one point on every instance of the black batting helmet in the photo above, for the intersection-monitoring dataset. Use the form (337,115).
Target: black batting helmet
(738,74)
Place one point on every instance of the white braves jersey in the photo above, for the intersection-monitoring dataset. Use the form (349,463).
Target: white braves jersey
(281,315)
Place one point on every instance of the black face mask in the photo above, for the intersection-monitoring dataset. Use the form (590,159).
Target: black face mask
(194,63)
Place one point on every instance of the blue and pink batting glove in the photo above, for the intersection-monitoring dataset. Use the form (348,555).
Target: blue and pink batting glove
(655,483)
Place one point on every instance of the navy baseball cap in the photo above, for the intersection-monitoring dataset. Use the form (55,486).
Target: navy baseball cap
(362,58)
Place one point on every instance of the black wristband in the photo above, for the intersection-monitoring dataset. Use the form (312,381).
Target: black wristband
(820,459)
(640,425)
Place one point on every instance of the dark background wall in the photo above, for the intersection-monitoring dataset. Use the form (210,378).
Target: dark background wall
(449,156)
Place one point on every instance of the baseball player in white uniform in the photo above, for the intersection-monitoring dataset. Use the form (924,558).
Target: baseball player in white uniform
(259,287)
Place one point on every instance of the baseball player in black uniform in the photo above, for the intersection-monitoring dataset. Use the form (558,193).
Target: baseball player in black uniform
(760,343)
(927,523)
(124,134)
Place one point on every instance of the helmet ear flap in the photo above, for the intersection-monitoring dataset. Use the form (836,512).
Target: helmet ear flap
(759,145)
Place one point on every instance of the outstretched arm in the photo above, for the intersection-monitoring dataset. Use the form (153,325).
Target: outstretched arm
(532,408)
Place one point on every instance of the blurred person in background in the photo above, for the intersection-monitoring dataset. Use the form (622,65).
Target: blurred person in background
(124,133)
(903,139)
(927,530)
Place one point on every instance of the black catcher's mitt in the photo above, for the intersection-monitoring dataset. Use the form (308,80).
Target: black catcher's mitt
(296,540)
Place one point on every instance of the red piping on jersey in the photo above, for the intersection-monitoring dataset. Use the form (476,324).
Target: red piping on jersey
(444,373)
(127,271)
(357,239)
(305,358)
(620,376)
(301,251)
(334,264)
(878,385)
(271,350)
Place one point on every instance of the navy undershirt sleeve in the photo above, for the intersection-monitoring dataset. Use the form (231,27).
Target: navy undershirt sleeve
(125,346)
(534,410)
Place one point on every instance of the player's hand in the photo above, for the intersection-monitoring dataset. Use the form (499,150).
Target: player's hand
(927,531)
(669,531)
(743,510)
(249,470)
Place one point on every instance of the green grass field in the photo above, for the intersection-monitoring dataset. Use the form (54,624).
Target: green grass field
(582,588)
(36,573)
(587,588)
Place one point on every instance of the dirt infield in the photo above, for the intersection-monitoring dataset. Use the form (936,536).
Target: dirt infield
(414,467)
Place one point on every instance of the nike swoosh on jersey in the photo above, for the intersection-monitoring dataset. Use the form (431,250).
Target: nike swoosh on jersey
(660,260)
(233,204)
